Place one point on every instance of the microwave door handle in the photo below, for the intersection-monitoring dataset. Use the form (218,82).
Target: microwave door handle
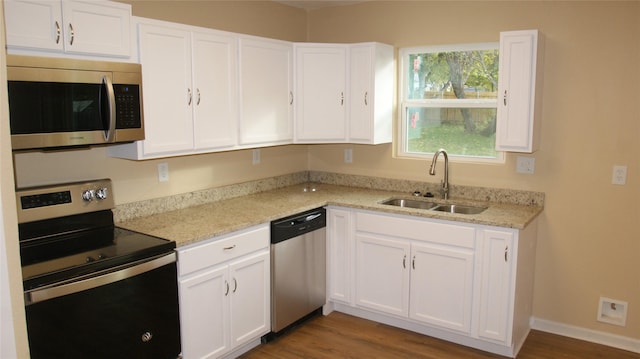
(111,109)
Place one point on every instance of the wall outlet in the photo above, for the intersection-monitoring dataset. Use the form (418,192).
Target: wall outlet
(348,155)
(163,172)
(256,156)
(619,175)
(525,165)
(612,311)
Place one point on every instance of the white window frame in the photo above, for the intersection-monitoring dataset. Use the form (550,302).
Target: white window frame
(438,103)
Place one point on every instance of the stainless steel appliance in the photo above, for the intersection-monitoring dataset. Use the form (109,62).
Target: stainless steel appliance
(55,102)
(93,290)
(298,268)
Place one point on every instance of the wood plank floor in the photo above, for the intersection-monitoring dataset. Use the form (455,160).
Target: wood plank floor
(342,336)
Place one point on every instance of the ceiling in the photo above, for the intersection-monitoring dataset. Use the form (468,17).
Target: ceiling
(316,4)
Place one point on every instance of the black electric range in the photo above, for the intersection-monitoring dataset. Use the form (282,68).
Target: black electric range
(69,232)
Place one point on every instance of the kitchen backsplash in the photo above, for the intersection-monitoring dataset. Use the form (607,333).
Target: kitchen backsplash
(145,208)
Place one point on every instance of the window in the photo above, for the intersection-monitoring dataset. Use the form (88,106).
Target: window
(449,100)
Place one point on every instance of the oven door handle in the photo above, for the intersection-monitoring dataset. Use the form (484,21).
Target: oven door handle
(58,290)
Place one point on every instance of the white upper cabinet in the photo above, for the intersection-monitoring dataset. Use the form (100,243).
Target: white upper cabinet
(215,96)
(321,91)
(74,27)
(344,93)
(190,91)
(371,93)
(165,55)
(519,91)
(266,92)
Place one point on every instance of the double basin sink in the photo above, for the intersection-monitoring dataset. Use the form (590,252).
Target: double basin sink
(431,206)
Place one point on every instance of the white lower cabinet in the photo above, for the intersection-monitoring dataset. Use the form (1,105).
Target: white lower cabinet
(382,278)
(224,293)
(466,283)
(339,253)
(415,272)
(442,286)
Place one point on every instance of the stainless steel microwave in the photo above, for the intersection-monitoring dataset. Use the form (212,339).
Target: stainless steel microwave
(56,102)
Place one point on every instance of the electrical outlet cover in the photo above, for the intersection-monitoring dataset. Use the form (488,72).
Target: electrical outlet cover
(525,165)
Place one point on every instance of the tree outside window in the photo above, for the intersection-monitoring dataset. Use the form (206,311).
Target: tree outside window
(449,101)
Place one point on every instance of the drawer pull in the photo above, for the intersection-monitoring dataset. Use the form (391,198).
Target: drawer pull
(229,248)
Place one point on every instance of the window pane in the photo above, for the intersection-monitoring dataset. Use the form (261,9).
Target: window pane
(469,132)
(453,75)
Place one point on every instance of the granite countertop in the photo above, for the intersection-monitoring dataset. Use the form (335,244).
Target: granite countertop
(190,225)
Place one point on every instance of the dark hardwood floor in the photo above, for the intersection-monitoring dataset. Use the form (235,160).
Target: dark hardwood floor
(342,336)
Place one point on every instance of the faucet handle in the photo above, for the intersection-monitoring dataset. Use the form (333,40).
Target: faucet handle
(416,193)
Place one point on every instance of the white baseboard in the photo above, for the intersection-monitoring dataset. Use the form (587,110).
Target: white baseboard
(612,340)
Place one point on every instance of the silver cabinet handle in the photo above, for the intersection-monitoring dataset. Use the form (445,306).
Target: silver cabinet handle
(73,34)
(227,292)
(365,98)
(198,96)
(404,261)
(504,98)
(413,262)
(341,98)
(58,32)
(189,96)
(235,285)
(290,97)
(506,251)
(229,248)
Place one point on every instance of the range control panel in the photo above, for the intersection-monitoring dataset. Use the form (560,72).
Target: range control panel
(53,201)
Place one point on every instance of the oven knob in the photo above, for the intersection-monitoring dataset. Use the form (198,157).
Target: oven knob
(88,195)
(101,193)
(147,336)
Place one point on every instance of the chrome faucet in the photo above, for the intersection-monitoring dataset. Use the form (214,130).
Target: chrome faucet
(432,171)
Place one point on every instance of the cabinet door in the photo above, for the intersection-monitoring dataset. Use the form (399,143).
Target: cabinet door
(34,24)
(266,91)
(250,298)
(516,127)
(371,93)
(97,28)
(382,274)
(204,313)
(495,287)
(441,286)
(165,54)
(321,98)
(340,252)
(214,90)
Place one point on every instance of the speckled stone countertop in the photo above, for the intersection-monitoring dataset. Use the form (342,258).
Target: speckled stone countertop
(203,221)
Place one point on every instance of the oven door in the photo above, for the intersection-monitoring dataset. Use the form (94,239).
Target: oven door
(129,312)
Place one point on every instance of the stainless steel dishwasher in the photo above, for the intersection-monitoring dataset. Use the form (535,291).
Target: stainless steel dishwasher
(298,268)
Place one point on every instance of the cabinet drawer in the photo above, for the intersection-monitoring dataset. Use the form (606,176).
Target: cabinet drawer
(417,229)
(221,249)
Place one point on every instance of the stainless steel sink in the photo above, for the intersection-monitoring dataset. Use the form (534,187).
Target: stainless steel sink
(410,203)
(456,208)
(450,208)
